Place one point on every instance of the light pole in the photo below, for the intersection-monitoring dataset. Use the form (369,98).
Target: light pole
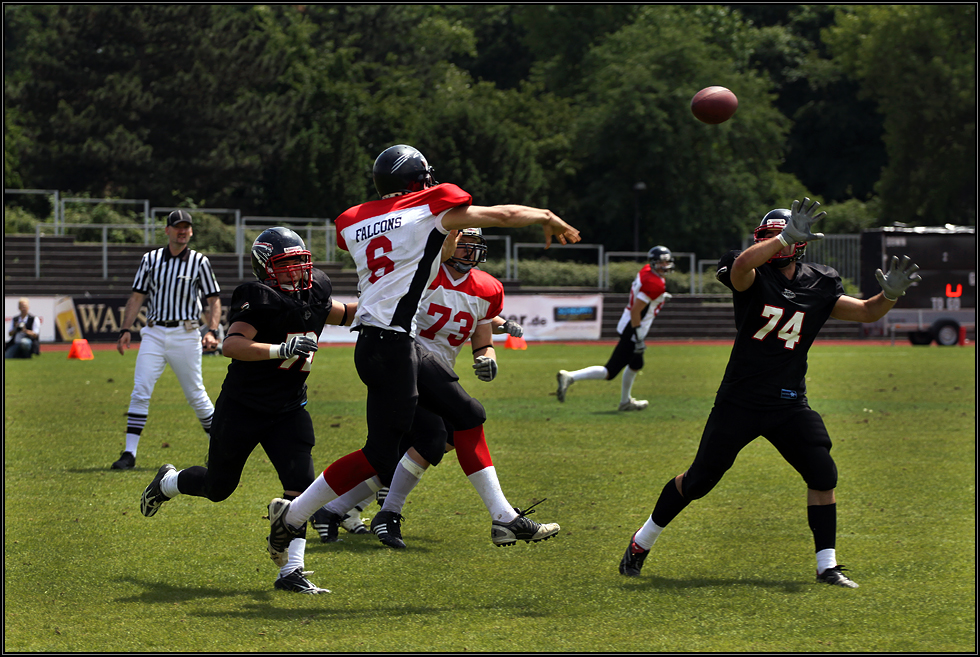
(638,188)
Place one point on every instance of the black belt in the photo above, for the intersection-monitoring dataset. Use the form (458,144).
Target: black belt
(380,333)
(173,324)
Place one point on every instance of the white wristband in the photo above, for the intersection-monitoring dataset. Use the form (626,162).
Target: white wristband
(782,240)
(274,351)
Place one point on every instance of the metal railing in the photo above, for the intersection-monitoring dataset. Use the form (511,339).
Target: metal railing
(601,249)
(59,229)
(56,203)
(604,276)
(105,243)
(328,228)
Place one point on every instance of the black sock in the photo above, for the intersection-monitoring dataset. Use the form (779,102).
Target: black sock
(669,504)
(823,524)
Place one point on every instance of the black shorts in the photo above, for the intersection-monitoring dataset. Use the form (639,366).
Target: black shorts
(236,430)
(624,354)
(796,431)
(401,376)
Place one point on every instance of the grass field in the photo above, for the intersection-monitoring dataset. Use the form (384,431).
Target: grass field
(84,571)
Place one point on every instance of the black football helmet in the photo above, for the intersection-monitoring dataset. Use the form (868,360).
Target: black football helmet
(401,169)
(475,248)
(661,259)
(776,220)
(269,250)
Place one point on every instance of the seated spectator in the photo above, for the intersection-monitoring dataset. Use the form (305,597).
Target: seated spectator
(24,330)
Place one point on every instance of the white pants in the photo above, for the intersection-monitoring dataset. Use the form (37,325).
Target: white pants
(179,348)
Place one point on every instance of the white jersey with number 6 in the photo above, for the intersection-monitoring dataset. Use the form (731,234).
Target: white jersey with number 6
(396,243)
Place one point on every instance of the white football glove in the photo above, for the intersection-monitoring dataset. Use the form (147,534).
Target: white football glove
(898,278)
(512,327)
(800,219)
(639,346)
(486,368)
(298,345)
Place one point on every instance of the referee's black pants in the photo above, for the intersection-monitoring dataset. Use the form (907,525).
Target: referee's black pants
(400,375)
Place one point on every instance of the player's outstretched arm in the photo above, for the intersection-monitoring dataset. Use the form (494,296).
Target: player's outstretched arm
(899,277)
(511,216)
(501,326)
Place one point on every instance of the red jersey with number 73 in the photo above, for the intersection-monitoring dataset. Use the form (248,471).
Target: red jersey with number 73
(396,243)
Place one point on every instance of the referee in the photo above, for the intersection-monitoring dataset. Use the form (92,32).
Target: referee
(172,280)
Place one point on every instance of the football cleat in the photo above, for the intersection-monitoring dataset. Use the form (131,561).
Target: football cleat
(564,380)
(835,577)
(634,405)
(632,561)
(153,498)
(126,462)
(353,523)
(387,525)
(280,533)
(522,528)
(326,523)
(296,582)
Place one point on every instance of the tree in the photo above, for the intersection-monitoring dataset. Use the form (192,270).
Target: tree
(706,185)
(918,64)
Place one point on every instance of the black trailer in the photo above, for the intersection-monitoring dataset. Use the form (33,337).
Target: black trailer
(936,309)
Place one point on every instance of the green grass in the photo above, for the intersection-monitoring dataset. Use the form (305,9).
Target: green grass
(84,571)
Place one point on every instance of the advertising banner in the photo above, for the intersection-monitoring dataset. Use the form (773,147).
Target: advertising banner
(99,319)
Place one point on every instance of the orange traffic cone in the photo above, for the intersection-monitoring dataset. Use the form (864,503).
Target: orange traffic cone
(515,343)
(80,350)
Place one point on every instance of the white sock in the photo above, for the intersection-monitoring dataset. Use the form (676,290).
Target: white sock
(348,500)
(297,553)
(132,442)
(648,534)
(316,495)
(826,559)
(629,376)
(168,485)
(594,372)
(407,475)
(488,488)
(363,504)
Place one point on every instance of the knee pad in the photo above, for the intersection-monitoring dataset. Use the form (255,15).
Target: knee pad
(823,476)
(694,488)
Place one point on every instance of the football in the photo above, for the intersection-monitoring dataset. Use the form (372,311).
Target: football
(714,105)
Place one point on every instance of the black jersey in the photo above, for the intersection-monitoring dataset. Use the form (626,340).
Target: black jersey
(777,320)
(276,385)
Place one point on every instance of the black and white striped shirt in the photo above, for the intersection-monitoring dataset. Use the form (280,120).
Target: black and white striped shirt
(174,285)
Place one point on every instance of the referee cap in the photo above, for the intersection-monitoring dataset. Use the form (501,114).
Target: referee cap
(178,216)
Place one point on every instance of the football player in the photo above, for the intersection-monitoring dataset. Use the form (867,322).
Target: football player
(272,339)
(396,242)
(463,303)
(781,304)
(648,294)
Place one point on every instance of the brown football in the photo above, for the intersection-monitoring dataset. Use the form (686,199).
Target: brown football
(714,105)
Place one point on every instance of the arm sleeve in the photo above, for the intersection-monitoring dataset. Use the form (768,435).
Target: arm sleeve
(724,271)
(209,284)
(144,274)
